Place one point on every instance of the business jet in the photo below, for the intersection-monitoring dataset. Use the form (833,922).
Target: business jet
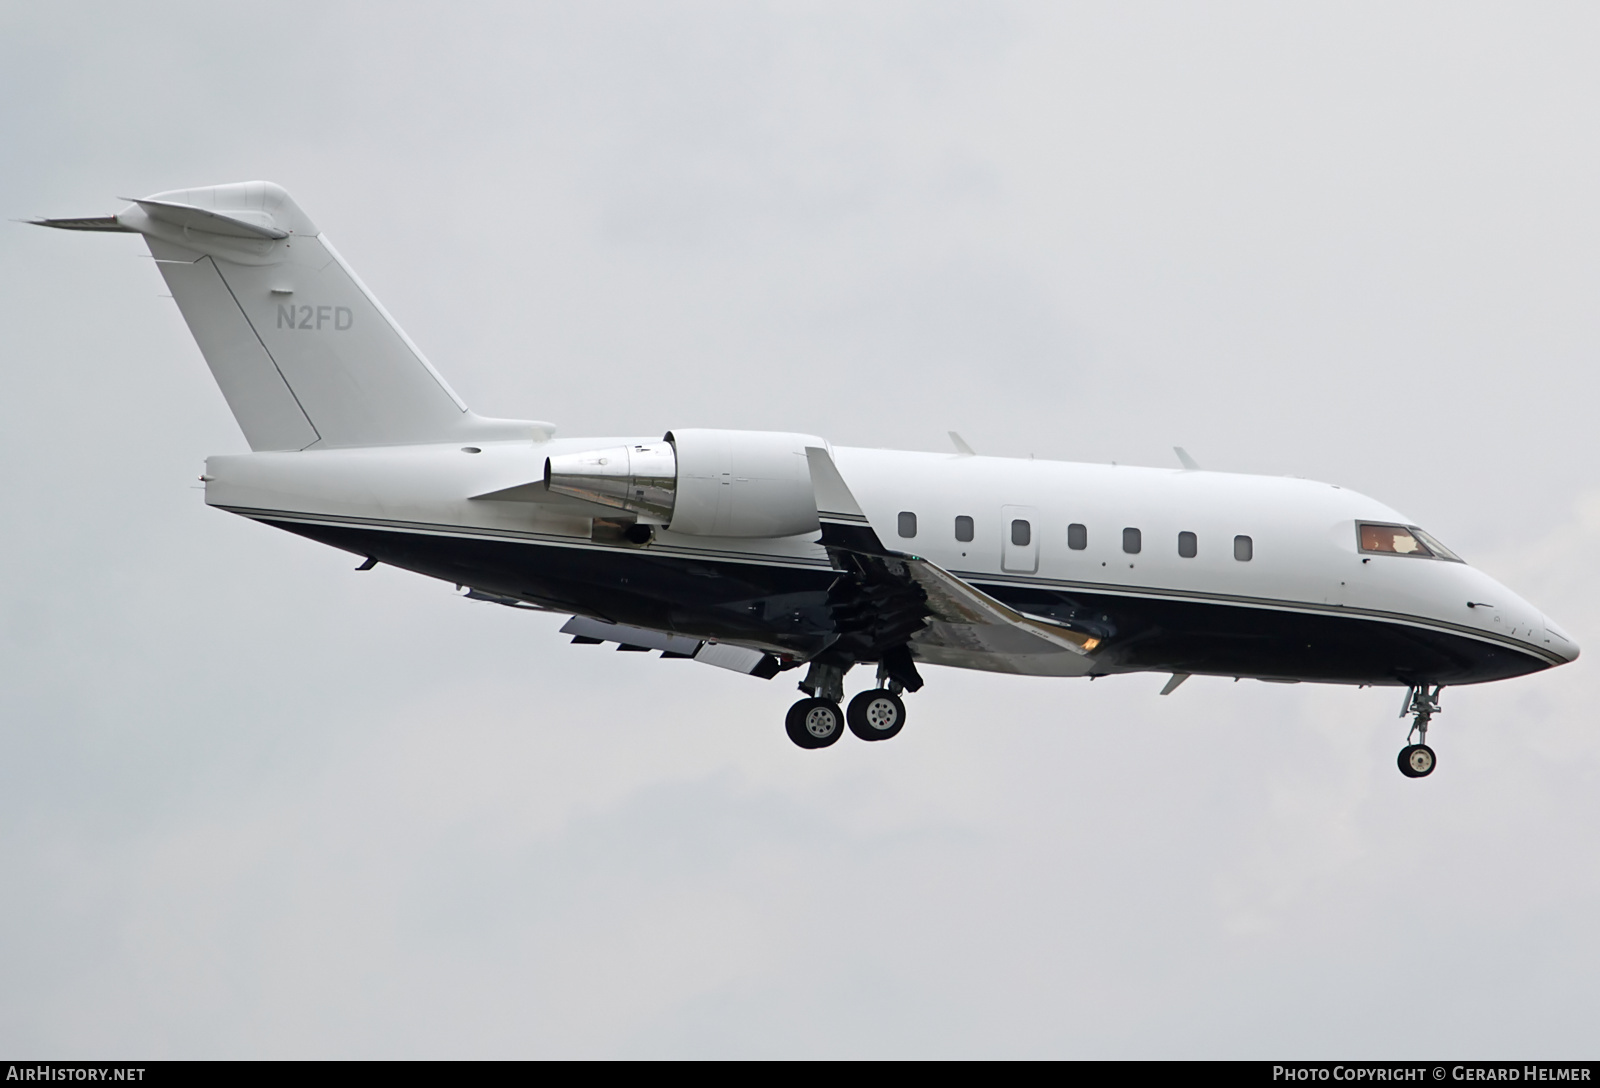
(763,552)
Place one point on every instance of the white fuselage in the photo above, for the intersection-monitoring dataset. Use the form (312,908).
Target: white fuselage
(1303,553)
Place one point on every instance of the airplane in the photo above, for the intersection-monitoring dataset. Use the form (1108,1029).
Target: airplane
(762,552)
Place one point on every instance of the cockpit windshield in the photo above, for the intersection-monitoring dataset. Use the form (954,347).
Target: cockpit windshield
(1433,545)
(1402,540)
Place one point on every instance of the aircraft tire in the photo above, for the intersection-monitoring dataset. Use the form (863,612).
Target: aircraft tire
(814,723)
(1417,761)
(876,715)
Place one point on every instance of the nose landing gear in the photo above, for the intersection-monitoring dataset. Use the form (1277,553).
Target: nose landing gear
(1422,703)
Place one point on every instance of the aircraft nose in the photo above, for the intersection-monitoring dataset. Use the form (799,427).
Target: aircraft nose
(1559,641)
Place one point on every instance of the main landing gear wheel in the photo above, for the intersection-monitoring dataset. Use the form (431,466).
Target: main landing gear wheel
(1416,761)
(814,723)
(876,715)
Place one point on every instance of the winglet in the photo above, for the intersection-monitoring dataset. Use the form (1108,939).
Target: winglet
(961,445)
(834,500)
(844,526)
(1185,460)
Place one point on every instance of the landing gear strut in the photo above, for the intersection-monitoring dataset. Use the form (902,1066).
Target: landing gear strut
(1422,703)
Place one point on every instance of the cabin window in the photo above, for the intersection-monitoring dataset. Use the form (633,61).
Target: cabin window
(1243,548)
(1188,545)
(1021,533)
(964,529)
(1403,540)
(908,524)
(1077,537)
(1132,541)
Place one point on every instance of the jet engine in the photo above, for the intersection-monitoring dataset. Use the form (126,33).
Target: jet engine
(701,482)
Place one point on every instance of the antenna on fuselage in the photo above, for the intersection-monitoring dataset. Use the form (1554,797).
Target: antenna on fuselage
(961,445)
(1185,460)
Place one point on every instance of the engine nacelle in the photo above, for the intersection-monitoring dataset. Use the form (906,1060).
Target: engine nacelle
(701,482)
(743,483)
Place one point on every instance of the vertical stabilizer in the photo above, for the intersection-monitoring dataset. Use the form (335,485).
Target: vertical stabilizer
(304,354)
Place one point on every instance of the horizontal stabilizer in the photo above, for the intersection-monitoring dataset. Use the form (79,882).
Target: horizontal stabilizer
(234,223)
(98,222)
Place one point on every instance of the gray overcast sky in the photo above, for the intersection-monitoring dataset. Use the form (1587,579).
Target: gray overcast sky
(254,804)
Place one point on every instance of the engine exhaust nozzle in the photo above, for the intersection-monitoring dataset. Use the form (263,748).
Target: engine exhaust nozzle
(642,479)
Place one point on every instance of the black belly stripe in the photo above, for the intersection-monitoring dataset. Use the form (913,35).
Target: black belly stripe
(781,603)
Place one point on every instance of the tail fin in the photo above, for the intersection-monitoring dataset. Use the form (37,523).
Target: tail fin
(304,354)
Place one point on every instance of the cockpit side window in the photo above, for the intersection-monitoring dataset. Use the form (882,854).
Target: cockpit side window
(1402,540)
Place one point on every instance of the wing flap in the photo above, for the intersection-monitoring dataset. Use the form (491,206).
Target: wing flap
(740,659)
(983,622)
(959,620)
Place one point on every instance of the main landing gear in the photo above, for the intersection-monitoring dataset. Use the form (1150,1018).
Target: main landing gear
(817,721)
(1422,703)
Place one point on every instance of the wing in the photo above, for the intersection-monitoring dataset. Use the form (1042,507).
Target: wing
(894,599)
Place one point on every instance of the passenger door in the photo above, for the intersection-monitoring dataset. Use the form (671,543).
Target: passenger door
(1019,528)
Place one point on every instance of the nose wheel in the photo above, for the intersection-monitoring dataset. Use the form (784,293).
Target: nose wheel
(1417,760)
